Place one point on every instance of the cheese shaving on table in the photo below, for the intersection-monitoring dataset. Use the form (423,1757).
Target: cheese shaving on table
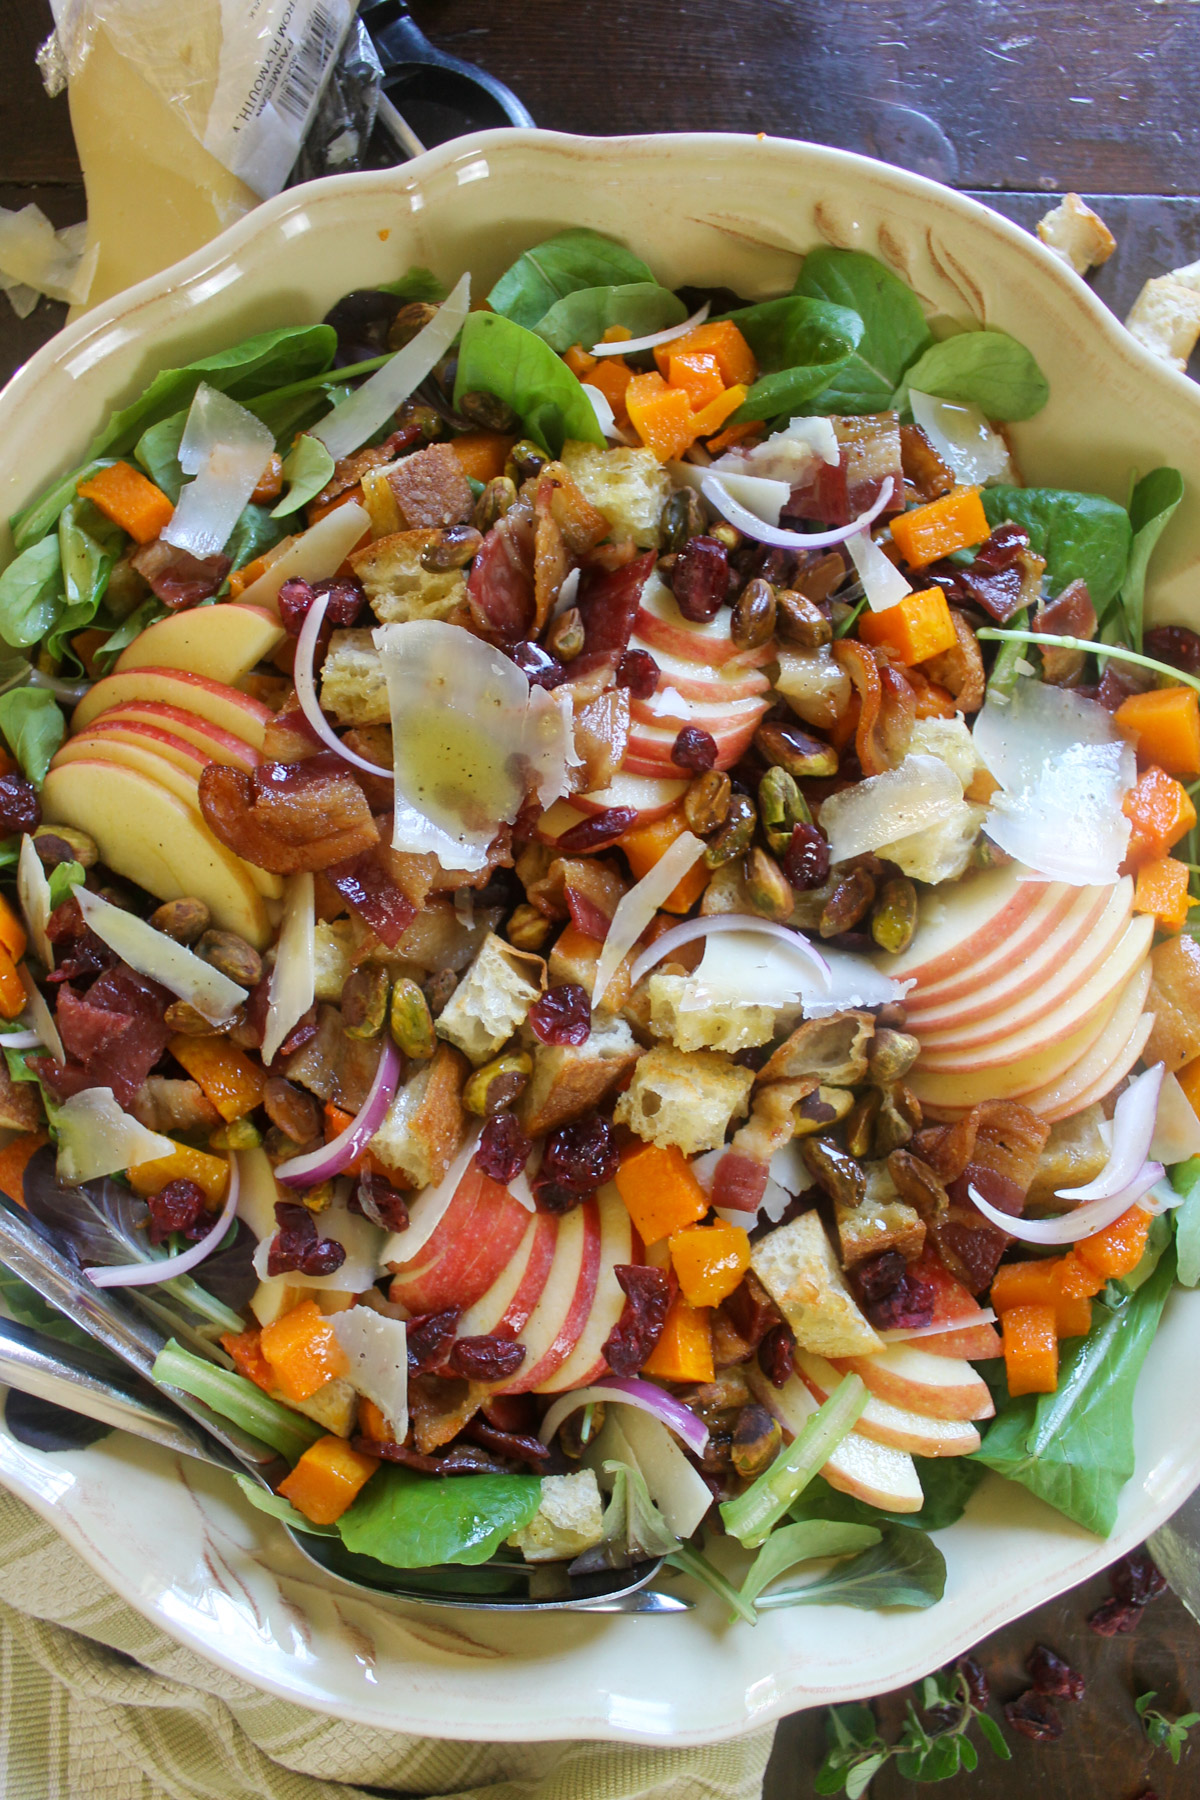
(35,259)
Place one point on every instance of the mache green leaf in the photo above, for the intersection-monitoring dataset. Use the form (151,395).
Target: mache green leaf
(31,593)
(894,329)
(987,369)
(583,317)
(495,356)
(562,265)
(799,344)
(33,728)
(1081,536)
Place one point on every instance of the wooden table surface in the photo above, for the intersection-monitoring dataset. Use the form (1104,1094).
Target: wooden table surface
(1013,103)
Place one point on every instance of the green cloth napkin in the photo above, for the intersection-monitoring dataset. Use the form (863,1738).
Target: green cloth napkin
(97,1704)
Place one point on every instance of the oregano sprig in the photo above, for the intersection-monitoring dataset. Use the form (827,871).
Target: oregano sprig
(1162,1732)
(929,1748)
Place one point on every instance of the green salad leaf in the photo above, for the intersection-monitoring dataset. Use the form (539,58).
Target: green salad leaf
(894,329)
(27,1307)
(33,727)
(409,1522)
(307,466)
(1151,506)
(905,1568)
(497,357)
(789,1545)
(800,344)
(41,515)
(31,593)
(987,369)
(559,266)
(948,1483)
(234,1398)
(417,284)
(1185,1179)
(65,877)
(1074,1447)
(1082,536)
(256,530)
(279,1508)
(158,452)
(89,544)
(151,608)
(584,316)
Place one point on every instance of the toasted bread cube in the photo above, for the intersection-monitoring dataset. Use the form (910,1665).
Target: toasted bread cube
(333,947)
(399,588)
(684,1098)
(567,1522)
(492,999)
(1074,1154)
(1077,234)
(951,742)
(629,486)
(1165,317)
(353,685)
(797,1266)
(430,488)
(423,1126)
(335,1406)
(569,1079)
(681,1010)
(882,1222)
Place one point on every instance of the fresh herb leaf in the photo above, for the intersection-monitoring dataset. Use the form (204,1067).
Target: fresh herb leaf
(1151,506)
(417,284)
(280,1509)
(584,316)
(692,1562)
(64,879)
(1082,536)
(1162,1732)
(254,367)
(307,466)
(905,1568)
(948,1483)
(857,1751)
(800,344)
(31,593)
(41,515)
(1185,1179)
(1074,1447)
(894,328)
(789,1545)
(158,452)
(234,1398)
(33,728)
(409,1522)
(559,266)
(497,357)
(987,369)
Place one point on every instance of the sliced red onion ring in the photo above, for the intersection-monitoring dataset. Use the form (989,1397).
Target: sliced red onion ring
(1161,1198)
(715,491)
(656,337)
(899,1335)
(19,1040)
(1093,1216)
(697,928)
(319,1165)
(306,690)
(644,1395)
(1132,1130)
(145,1274)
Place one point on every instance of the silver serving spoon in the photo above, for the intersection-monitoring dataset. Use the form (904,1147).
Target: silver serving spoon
(85,1385)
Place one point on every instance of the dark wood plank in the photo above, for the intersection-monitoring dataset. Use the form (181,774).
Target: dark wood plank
(35,132)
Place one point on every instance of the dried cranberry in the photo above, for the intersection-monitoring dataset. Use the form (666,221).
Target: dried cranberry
(602,828)
(295,603)
(521,1446)
(750,1311)
(563,1015)
(1175,645)
(907,1307)
(580,1157)
(1114,1618)
(1136,1579)
(429,1338)
(1053,1677)
(20,808)
(346,599)
(553,1198)
(700,579)
(777,1355)
(638,671)
(379,1201)
(297,1245)
(539,668)
(1034,1717)
(976,1681)
(486,1358)
(878,1276)
(806,859)
(78,950)
(647,1300)
(694,749)
(503,1149)
(177,1207)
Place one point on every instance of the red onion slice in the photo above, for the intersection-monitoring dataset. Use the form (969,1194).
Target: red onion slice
(1068,1228)
(691,929)
(316,1166)
(656,337)
(715,491)
(145,1274)
(306,690)
(1132,1130)
(20,1040)
(644,1395)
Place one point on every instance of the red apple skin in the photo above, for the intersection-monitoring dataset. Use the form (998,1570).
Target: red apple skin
(655,760)
(677,640)
(953,1304)
(176,750)
(959,1393)
(983,913)
(175,687)
(479,1232)
(620,1246)
(505,1308)
(565,1303)
(1017,968)
(711,688)
(218,745)
(918,1434)
(650,797)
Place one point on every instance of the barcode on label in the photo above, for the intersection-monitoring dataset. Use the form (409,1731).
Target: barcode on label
(306,69)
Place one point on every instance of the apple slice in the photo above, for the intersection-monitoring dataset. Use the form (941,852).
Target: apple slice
(872,1472)
(1017,1035)
(188,758)
(734,680)
(1048,911)
(475,1240)
(222,642)
(940,1387)
(649,749)
(661,626)
(1025,973)
(220,705)
(557,1322)
(619,1246)
(153,839)
(1108,1061)
(885,1423)
(507,1304)
(953,1304)
(217,745)
(964,1088)
(651,797)
(960,922)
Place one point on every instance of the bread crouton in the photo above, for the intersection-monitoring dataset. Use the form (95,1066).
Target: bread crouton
(574,957)
(423,1126)
(568,1521)
(334,1406)
(951,742)
(353,685)
(1076,234)
(684,1098)
(492,999)
(883,1221)
(798,1268)
(1165,317)
(400,588)
(333,953)
(629,486)
(164,1104)
(833,1050)
(430,488)
(1074,1154)
(19,1108)
(681,1009)
(569,1079)
(940,852)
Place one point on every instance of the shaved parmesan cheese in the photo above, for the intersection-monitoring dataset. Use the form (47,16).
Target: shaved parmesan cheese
(426,1212)
(749,969)
(1064,770)
(96,1138)
(33,891)
(37,258)
(1176,1126)
(376,1348)
(962,438)
(604,413)
(883,584)
(154,954)
(468,732)
(787,455)
(922,791)
(370,406)
(669,703)
(637,908)
(853,981)
(313,556)
(40,1016)
(294,977)
(226,448)
(765,498)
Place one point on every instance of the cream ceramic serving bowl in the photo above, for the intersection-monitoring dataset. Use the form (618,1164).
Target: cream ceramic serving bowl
(178,1542)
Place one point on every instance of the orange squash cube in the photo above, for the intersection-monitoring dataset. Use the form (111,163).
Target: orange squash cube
(327,1478)
(710,1261)
(719,338)
(1160,812)
(184,1164)
(697,372)
(303,1351)
(952,523)
(1166,725)
(1162,890)
(1030,1349)
(684,1352)
(916,628)
(660,1191)
(661,415)
(1117,1250)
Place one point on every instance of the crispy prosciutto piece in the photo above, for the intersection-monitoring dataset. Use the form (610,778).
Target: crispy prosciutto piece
(870,455)
(371,892)
(178,578)
(289,816)
(113,1035)
(500,589)
(608,601)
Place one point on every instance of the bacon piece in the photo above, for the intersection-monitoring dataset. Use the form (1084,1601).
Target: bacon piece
(178,578)
(500,590)
(870,453)
(608,601)
(348,471)
(994,1148)
(288,816)
(887,707)
(1070,615)
(114,1034)
(601,739)
(739,1181)
(370,890)
(923,467)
